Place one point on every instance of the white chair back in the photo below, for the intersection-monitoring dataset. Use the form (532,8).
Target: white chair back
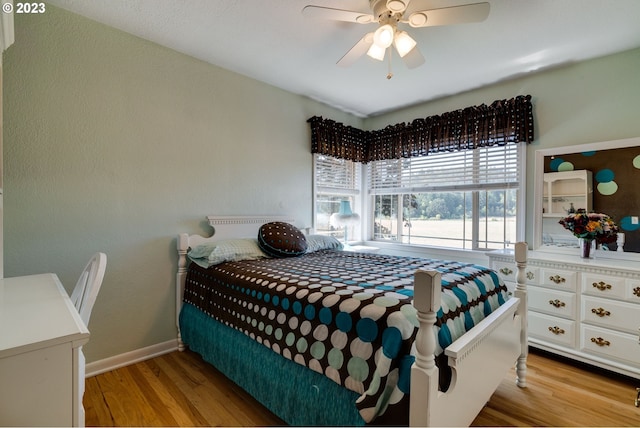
(86,290)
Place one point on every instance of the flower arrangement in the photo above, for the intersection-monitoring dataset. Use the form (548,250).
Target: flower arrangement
(599,227)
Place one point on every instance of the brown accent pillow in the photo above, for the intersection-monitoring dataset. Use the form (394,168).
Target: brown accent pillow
(280,239)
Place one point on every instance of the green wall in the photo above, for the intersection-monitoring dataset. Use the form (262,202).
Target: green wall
(116,144)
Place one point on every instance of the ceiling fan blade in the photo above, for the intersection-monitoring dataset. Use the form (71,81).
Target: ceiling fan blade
(397,6)
(337,14)
(414,58)
(356,51)
(476,12)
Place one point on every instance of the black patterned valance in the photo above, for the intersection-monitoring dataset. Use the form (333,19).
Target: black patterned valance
(502,122)
(340,141)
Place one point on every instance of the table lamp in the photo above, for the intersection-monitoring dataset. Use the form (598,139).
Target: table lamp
(344,218)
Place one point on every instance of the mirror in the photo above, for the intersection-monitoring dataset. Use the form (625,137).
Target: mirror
(610,171)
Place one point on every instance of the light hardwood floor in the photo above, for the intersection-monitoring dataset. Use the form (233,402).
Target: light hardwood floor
(180,389)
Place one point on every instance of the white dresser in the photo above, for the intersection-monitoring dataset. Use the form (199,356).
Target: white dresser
(585,309)
(41,361)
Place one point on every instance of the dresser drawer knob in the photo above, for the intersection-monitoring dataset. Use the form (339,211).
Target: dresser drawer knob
(530,275)
(506,271)
(600,341)
(602,286)
(556,330)
(601,312)
(636,291)
(557,303)
(557,279)
(638,397)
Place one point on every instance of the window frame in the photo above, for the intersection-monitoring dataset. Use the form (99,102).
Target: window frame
(354,194)
(364,204)
(476,217)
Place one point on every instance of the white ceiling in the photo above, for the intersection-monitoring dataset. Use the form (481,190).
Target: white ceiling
(271,41)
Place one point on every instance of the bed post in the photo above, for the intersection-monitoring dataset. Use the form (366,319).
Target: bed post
(183,246)
(424,372)
(521,293)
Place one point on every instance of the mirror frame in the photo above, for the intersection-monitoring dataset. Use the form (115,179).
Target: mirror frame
(538,188)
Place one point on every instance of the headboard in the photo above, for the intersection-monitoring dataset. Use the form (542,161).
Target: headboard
(225,227)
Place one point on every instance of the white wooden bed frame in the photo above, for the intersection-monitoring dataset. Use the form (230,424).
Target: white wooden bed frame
(479,360)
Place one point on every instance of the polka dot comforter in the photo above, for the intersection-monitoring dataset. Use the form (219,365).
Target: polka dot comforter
(346,315)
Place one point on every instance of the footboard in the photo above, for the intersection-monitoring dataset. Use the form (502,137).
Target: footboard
(479,360)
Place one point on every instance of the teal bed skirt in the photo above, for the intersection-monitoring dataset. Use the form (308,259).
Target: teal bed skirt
(296,394)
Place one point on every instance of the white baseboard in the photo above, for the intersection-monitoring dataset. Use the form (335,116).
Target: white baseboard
(128,358)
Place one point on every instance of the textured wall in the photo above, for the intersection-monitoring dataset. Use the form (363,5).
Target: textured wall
(115,144)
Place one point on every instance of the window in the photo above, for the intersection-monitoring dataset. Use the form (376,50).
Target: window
(335,180)
(465,199)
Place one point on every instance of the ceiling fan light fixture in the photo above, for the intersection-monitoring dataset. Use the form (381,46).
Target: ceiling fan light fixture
(391,13)
(403,43)
(383,37)
(376,52)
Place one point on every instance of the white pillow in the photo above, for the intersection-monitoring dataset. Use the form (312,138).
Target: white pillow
(229,250)
(322,242)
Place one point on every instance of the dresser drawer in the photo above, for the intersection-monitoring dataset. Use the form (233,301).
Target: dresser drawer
(511,287)
(552,329)
(558,279)
(633,290)
(621,346)
(507,271)
(603,286)
(621,316)
(552,302)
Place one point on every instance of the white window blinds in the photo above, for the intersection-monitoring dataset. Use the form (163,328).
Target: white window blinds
(495,167)
(334,175)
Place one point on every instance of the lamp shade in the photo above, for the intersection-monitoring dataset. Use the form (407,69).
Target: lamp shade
(376,52)
(344,216)
(403,43)
(383,37)
(345,208)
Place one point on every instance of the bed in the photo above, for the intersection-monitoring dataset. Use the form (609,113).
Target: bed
(412,365)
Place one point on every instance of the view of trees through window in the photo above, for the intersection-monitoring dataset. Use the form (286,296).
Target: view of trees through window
(448,219)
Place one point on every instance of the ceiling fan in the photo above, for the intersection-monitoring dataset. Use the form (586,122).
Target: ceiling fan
(388,14)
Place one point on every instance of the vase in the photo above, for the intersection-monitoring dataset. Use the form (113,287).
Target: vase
(587,247)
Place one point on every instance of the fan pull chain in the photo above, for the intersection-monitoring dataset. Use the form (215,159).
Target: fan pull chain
(390,73)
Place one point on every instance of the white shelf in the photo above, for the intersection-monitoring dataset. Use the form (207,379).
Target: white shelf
(564,189)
